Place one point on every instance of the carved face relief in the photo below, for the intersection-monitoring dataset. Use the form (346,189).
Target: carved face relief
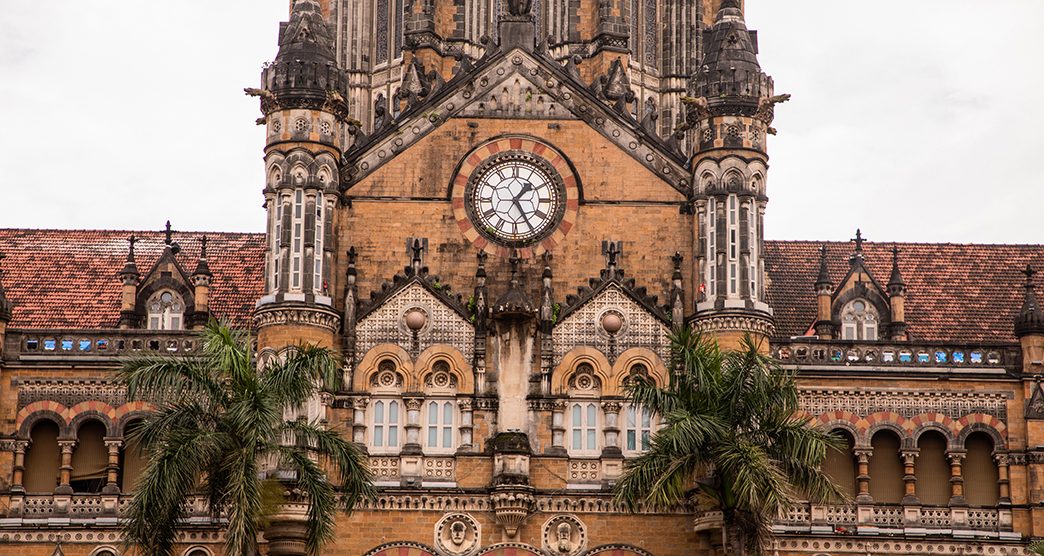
(564,535)
(457,534)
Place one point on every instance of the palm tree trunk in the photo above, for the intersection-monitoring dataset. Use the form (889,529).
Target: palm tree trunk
(735,538)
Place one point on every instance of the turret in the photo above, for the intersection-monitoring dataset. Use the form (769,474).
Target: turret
(201,279)
(1029,328)
(131,279)
(824,292)
(303,101)
(6,308)
(730,112)
(897,299)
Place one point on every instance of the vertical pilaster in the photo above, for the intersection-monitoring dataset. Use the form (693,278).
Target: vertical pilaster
(956,458)
(65,471)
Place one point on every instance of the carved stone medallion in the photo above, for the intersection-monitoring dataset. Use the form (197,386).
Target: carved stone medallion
(564,535)
(457,534)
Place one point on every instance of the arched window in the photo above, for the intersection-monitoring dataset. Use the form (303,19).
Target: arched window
(386,419)
(90,459)
(980,471)
(132,458)
(440,419)
(297,242)
(840,465)
(42,459)
(166,311)
(317,280)
(712,247)
(859,321)
(638,427)
(583,427)
(733,224)
(932,470)
(886,469)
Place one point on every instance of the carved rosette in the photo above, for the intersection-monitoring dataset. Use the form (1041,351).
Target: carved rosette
(319,317)
(512,504)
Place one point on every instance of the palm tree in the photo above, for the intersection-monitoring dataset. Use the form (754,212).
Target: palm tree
(218,420)
(731,439)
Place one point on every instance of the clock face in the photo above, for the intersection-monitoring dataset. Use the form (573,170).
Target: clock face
(515,201)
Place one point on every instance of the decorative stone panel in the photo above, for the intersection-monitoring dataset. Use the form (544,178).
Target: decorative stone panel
(444,325)
(583,327)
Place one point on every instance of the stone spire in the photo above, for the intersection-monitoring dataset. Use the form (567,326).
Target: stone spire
(202,272)
(823,326)
(896,285)
(1030,320)
(897,299)
(823,280)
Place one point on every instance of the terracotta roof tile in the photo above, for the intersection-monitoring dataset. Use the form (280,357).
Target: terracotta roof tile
(67,278)
(955,292)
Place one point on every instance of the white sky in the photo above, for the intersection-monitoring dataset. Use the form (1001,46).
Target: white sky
(915,120)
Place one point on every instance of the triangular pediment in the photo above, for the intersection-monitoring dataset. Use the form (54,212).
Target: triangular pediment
(515,84)
(384,320)
(581,324)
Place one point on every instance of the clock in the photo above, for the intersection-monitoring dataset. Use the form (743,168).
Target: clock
(514,200)
(515,192)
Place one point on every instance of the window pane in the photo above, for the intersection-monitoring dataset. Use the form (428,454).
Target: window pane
(393,413)
(433,413)
(378,412)
(433,437)
(447,437)
(447,413)
(378,435)
(590,415)
(630,416)
(590,439)
(631,440)
(393,436)
(645,440)
(646,418)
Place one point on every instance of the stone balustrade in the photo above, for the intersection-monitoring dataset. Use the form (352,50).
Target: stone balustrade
(30,345)
(807,351)
(85,509)
(883,519)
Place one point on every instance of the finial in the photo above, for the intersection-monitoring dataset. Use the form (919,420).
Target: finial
(417,248)
(823,283)
(1029,273)
(130,252)
(1030,320)
(350,272)
(895,281)
(857,255)
(677,259)
(352,255)
(612,253)
(168,239)
(546,258)
(203,247)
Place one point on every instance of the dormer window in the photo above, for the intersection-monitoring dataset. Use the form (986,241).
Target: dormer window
(166,311)
(859,321)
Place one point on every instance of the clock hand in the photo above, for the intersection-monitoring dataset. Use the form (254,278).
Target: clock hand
(526,187)
(523,213)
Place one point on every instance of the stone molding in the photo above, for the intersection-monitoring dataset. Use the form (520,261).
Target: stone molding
(303,316)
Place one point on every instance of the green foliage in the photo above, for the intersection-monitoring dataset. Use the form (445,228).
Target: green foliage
(731,439)
(217,421)
(556,310)
(1037,548)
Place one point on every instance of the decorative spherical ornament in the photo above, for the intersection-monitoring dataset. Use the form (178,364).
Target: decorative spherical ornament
(612,323)
(416,319)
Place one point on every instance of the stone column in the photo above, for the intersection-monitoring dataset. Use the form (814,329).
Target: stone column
(67,447)
(558,428)
(611,430)
(112,473)
(20,447)
(956,477)
(410,459)
(909,478)
(359,406)
(863,478)
(1003,478)
(466,424)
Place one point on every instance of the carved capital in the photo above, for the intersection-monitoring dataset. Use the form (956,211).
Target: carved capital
(611,406)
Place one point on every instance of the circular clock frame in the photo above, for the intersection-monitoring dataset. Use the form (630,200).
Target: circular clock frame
(478,171)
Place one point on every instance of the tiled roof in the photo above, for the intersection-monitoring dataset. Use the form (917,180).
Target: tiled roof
(67,278)
(955,292)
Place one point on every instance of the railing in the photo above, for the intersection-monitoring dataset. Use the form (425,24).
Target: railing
(875,519)
(813,351)
(97,343)
(102,509)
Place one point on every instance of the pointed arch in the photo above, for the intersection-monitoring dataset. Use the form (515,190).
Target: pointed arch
(458,364)
(370,362)
(628,361)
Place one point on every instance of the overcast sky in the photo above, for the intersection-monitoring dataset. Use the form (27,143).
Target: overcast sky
(915,120)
